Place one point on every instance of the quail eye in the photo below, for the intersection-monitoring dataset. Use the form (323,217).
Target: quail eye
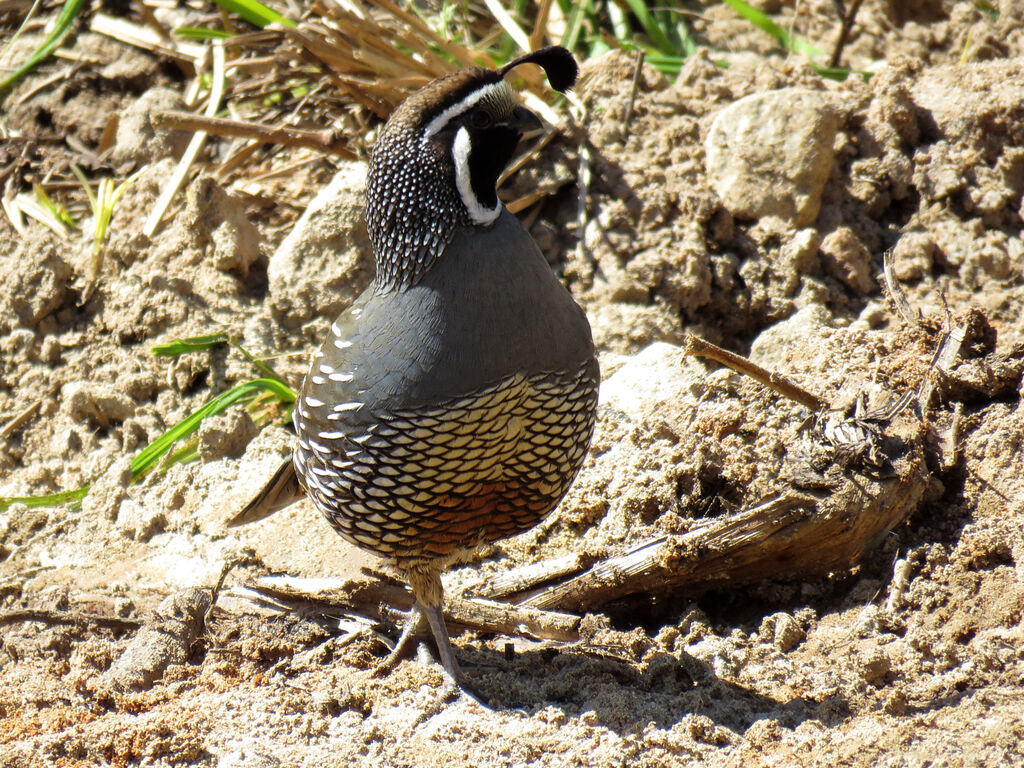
(478,119)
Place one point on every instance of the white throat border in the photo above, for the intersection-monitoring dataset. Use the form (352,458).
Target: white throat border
(460,154)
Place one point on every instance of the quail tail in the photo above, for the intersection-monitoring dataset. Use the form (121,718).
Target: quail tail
(281,491)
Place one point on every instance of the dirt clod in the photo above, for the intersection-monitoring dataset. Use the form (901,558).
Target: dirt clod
(165,639)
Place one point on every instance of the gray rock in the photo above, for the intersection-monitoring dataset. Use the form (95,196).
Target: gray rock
(847,260)
(220,226)
(770,154)
(781,630)
(325,262)
(959,99)
(109,492)
(913,255)
(656,376)
(35,283)
(138,521)
(874,666)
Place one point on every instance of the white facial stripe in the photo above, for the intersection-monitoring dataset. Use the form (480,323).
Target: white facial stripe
(467,103)
(460,153)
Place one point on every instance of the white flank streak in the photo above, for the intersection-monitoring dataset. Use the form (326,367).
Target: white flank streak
(324,368)
(312,402)
(460,153)
(318,379)
(330,435)
(335,329)
(469,102)
(342,343)
(341,407)
(340,377)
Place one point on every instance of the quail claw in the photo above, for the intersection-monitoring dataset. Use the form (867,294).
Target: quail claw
(456,681)
(412,629)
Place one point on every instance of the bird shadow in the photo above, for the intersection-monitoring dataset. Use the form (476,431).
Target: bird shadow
(626,697)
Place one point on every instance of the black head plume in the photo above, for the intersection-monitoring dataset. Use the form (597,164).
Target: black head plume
(558,64)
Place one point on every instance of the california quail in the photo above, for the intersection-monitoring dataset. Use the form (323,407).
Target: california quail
(453,402)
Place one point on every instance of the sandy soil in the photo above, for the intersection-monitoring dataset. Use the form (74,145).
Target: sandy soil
(912,655)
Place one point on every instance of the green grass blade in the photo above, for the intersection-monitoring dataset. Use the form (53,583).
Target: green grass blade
(265,369)
(839,73)
(49,500)
(687,44)
(793,43)
(151,454)
(200,33)
(667,65)
(58,211)
(575,13)
(61,27)
(93,202)
(658,36)
(202,343)
(147,458)
(190,344)
(185,454)
(255,12)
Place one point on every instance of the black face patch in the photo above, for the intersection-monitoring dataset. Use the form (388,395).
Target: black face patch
(489,152)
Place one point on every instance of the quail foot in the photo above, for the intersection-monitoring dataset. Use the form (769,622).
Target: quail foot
(453,402)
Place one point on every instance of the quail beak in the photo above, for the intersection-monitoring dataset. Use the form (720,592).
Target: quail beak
(525,122)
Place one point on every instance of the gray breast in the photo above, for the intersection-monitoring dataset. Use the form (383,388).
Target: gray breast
(489,308)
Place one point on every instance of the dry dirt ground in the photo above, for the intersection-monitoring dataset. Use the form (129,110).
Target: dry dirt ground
(912,656)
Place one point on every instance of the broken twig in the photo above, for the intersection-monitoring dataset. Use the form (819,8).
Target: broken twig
(67,617)
(697,346)
(846,24)
(638,68)
(895,290)
(194,146)
(325,140)
(366,597)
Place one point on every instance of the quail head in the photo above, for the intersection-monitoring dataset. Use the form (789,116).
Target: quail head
(453,402)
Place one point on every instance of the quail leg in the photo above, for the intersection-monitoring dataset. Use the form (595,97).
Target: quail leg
(426,586)
(435,618)
(412,632)
(425,581)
